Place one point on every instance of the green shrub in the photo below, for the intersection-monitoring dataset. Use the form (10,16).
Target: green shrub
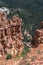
(9,56)
(26,50)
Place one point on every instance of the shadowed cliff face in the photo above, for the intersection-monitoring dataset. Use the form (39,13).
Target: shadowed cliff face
(34,6)
(21,3)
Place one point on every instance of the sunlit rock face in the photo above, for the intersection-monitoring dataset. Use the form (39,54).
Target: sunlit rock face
(10,34)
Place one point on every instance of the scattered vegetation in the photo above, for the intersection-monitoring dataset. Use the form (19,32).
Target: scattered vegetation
(39,52)
(28,63)
(32,58)
(25,51)
(41,58)
(9,56)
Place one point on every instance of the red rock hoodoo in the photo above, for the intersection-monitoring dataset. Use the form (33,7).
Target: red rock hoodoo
(10,34)
(38,36)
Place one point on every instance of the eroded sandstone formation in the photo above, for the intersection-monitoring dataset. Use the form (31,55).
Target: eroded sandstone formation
(38,36)
(10,35)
